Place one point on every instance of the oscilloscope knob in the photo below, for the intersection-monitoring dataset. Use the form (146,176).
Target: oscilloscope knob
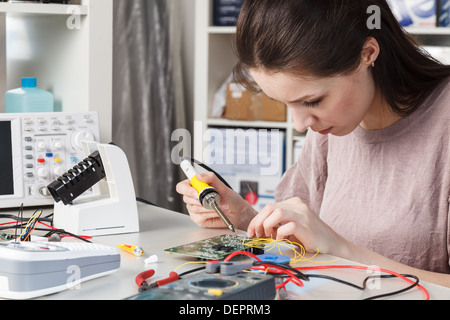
(58,171)
(43,191)
(80,136)
(43,172)
(58,145)
(41,145)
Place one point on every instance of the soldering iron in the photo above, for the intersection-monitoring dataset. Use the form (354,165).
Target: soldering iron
(208,196)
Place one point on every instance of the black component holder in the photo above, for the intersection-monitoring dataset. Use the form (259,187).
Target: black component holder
(78,180)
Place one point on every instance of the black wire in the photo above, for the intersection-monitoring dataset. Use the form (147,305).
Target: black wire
(144,201)
(299,274)
(416,283)
(13,217)
(191,271)
(63,232)
(17,221)
(335,280)
(307,277)
(204,166)
(24,221)
(364,286)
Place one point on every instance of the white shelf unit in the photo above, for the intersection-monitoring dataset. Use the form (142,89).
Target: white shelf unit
(68,48)
(215,60)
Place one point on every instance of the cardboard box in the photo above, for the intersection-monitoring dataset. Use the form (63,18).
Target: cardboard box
(240,103)
(247,106)
(273,110)
(415,13)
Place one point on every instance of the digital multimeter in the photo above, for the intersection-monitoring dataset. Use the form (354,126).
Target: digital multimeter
(32,269)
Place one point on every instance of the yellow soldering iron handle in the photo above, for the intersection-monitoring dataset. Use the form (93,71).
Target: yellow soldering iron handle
(198,185)
(208,196)
(191,174)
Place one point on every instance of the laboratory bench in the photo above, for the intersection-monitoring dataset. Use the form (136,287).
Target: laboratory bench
(161,229)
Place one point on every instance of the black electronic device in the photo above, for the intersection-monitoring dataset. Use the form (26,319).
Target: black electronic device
(78,180)
(204,286)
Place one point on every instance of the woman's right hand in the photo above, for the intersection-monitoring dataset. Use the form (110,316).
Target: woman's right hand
(232,204)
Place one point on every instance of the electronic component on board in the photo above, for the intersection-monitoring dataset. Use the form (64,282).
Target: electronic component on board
(216,248)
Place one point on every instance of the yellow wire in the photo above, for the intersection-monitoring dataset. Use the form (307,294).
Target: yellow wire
(270,244)
(32,220)
(190,262)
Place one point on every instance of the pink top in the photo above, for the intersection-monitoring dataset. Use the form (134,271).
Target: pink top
(385,190)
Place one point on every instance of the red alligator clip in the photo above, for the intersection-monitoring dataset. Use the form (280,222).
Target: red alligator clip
(141,280)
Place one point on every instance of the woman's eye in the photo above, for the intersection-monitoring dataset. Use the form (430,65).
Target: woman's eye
(312,104)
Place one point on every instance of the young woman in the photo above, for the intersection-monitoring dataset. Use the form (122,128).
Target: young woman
(372,183)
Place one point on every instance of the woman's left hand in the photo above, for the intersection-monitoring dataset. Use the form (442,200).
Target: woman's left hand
(293,218)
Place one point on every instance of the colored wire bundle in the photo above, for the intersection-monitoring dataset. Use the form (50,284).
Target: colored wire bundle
(269,244)
(30,226)
(296,276)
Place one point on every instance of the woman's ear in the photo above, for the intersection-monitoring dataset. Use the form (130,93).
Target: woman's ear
(370,52)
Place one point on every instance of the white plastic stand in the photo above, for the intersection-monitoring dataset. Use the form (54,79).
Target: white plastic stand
(111,208)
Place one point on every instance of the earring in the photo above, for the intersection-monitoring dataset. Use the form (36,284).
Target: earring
(373,64)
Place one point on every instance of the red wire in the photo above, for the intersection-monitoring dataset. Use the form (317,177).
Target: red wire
(427,295)
(49,226)
(142,277)
(46,225)
(279,269)
(283,285)
(267,267)
(6,223)
(245,253)
(298,282)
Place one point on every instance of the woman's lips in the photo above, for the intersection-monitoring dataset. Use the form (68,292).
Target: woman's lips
(327,131)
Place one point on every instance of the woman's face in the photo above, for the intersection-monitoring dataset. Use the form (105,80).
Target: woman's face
(336,105)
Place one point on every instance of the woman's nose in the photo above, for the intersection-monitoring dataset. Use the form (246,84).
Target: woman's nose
(303,120)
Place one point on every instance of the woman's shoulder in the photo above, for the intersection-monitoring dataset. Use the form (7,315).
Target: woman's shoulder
(437,107)
(441,95)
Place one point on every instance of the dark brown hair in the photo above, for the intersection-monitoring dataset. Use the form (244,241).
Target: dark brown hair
(325,38)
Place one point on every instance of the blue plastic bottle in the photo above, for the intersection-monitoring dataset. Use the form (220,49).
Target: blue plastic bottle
(28,98)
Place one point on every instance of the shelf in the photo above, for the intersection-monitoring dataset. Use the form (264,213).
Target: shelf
(215,58)
(248,124)
(428,31)
(222,30)
(42,8)
(68,48)
(299,138)
(411,30)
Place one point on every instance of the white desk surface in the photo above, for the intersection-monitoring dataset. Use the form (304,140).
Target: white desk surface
(161,229)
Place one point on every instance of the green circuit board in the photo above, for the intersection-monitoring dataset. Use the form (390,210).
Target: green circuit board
(217,248)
